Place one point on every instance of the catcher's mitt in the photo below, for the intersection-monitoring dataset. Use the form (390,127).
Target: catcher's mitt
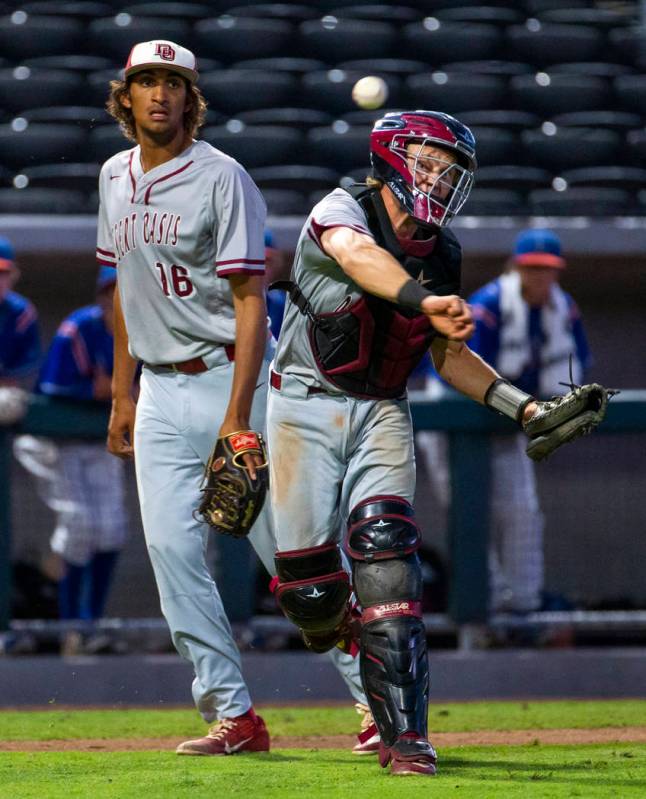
(231,499)
(562,419)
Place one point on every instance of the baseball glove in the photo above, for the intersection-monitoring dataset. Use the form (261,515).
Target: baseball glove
(231,499)
(562,419)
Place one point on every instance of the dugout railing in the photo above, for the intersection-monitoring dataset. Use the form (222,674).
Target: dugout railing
(468,426)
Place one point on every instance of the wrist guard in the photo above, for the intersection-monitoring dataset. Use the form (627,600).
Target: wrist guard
(507,400)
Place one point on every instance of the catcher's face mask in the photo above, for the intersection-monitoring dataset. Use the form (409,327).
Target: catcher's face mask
(427,160)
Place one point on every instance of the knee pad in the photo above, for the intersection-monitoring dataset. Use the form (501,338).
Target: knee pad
(380,528)
(382,539)
(313,591)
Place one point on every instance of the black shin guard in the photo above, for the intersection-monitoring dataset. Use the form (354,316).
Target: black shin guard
(382,539)
(394,671)
(313,592)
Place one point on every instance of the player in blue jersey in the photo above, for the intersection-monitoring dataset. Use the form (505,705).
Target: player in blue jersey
(19,335)
(85,484)
(527,328)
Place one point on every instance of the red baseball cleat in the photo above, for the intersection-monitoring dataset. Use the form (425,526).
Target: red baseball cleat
(409,755)
(245,733)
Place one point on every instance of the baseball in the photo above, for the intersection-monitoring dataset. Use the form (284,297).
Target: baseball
(370,92)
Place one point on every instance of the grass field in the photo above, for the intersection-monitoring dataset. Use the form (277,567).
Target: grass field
(616,769)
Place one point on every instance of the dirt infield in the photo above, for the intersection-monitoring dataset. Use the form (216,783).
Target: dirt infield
(601,735)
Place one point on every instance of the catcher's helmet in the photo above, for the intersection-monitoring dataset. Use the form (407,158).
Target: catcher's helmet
(403,171)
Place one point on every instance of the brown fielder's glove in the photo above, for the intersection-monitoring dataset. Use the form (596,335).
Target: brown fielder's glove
(562,419)
(231,499)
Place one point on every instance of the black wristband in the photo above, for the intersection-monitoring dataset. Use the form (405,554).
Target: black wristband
(412,294)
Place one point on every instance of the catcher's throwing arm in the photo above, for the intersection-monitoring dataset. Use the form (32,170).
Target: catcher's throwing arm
(231,497)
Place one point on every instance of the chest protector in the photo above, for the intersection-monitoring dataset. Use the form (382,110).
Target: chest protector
(369,348)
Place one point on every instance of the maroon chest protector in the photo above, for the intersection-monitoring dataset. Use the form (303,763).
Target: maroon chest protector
(370,348)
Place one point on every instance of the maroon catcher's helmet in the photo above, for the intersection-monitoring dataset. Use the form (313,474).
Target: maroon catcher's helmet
(404,172)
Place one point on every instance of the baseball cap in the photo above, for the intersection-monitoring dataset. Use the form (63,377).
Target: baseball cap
(538,247)
(107,275)
(7,255)
(162,53)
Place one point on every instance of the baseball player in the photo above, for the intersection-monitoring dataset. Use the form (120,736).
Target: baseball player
(20,351)
(183,223)
(374,286)
(528,329)
(80,481)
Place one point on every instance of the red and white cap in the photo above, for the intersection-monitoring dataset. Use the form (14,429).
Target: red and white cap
(162,53)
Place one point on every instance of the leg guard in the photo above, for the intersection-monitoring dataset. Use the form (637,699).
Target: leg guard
(382,539)
(313,592)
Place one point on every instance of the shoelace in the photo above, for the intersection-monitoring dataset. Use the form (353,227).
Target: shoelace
(367,720)
(220,729)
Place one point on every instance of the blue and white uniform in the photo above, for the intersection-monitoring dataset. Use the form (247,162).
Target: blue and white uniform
(20,351)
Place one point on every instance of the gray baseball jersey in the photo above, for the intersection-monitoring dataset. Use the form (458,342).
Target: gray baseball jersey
(322,281)
(176,233)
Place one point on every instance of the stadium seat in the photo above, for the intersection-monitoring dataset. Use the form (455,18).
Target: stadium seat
(501,118)
(563,148)
(76,63)
(365,118)
(81,9)
(489,15)
(628,45)
(42,201)
(291,12)
(400,67)
(611,177)
(297,66)
(331,39)
(284,202)
(6,176)
(577,201)
(41,144)
(603,18)
(255,146)
(641,200)
(537,7)
(25,35)
(182,11)
(457,91)
(234,90)
(23,87)
(516,178)
(98,85)
(550,94)
(77,177)
(105,141)
(332,90)
(597,69)
(382,12)
(637,145)
(437,42)
(497,146)
(490,67)
(340,145)
(298,118)
(115,36)
(236,38)
(544,44)
(630,91)
(610,120)
(495,202)
(83,116)
(296,177)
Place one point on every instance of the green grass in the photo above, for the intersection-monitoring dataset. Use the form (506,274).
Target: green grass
(466,717)
(469,773)
(507,772)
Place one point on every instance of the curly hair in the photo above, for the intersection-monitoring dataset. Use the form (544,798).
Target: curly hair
(193,118)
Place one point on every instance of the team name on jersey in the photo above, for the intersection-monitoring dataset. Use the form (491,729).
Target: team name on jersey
(156,228)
